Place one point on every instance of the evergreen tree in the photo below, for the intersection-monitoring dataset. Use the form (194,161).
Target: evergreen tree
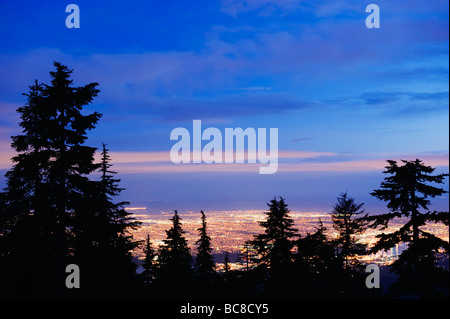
(317,266)
(407,190)
(226,263)
(246,256)
(175,260)
(149,265)
(272,251)
(315,253)
(349,226)
(204,263)
(47,179)
(275,244)
(118,223)
(102,242)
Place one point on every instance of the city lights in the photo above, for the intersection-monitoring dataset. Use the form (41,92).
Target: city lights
(229,230)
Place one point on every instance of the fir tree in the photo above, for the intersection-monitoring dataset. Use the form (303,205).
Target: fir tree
(274,245)
(246,256)
(349,226)
(272,250)
(204,263)
(316,265)
(315,252)
(102,242)
(175,260)
(407,191)
(149,265)
(48,177)
(226,263)
(118,222)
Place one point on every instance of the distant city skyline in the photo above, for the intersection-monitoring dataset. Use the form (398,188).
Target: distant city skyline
(343,97)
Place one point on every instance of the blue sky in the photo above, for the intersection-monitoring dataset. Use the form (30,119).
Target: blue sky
(344,97)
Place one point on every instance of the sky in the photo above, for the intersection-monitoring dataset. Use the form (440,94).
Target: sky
(344,98)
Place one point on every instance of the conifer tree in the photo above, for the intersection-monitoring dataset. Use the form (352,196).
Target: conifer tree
(54,214)
(149,265)
(175,260)
(315,252)
(226,263)
(49,174)
(204,263)
(119,223)
(246,255)
(102,242)
(349,226)
(316,265)
(275,244)
(407,190)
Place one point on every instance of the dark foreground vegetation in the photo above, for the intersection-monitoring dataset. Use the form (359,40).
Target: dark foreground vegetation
(58,209)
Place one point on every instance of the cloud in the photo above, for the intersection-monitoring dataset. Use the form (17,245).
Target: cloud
(289,161)
(299,139)
(159,162)
(8,116)
(120,157)
(176,110)
(373,98)
(396,104)
(248,68)
(6,153)
(407,103)
(361,165)
(327,9)
(263,7)
(347,166)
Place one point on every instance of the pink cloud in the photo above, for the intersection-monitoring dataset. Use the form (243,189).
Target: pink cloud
(159,162)
(6,153)
(359,165)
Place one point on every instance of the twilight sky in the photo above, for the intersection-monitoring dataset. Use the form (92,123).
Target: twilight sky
(344,97)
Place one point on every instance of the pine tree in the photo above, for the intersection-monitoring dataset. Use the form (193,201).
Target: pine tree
(275,244)
(204,263)
(175,260)
(407,190)
(149,265)
(349,226)
(48,177)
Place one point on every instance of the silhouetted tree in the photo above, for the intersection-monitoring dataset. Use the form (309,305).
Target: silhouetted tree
(4,247)
(175,260)
(149,264)
(275,244)
(349,226)
(204,263)
(273,250)
(56,215)
(321,272)
(102,242)
(226,263)
(119,224)
(406,191)
(246,256)
(47,180)
(315,252)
